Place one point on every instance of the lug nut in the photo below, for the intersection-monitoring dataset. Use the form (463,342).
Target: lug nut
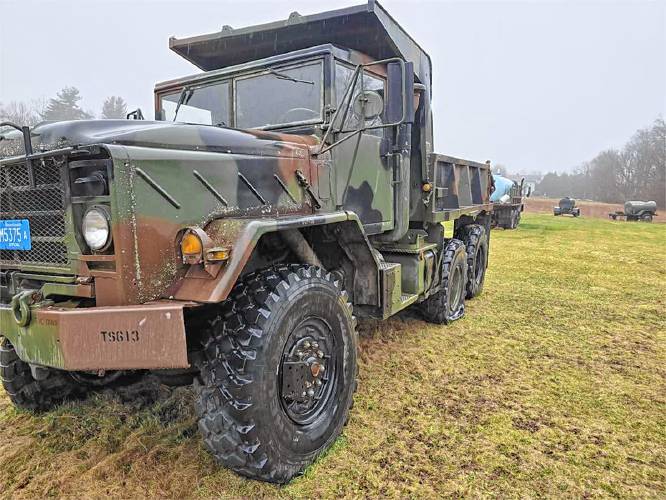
(318,382)
(310,393)
(320,354)
(306,344)
(315,345)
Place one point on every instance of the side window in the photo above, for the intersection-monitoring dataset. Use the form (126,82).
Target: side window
(343,76)
(205,105)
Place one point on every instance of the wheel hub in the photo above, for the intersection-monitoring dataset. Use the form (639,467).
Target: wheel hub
(305,381)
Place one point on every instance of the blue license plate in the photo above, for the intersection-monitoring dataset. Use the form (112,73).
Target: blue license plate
(15,235)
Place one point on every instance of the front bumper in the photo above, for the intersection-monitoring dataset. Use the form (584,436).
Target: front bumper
(149,336)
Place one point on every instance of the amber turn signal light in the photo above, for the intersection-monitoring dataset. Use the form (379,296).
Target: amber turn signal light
(191,248)
(218,254)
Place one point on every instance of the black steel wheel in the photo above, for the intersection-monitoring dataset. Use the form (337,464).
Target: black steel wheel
(278,372)
(30,393)
(448,304)
(476,244)
(646,218)
(306,384)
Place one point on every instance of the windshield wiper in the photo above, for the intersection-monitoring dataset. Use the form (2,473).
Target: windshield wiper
(283,76)
(182,98)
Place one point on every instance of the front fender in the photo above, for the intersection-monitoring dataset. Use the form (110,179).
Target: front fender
(242,236)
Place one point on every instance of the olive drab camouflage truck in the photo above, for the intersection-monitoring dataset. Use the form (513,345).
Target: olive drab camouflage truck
(231,243)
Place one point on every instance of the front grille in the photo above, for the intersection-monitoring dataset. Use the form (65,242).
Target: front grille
(43,206)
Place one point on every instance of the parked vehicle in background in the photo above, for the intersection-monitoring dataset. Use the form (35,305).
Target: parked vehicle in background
(642,211)
(507,202)
(281,193)
(567,206)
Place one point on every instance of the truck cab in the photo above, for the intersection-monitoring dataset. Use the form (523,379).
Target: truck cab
(317,93)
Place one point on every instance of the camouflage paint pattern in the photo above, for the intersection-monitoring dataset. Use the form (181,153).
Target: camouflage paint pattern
(232,185)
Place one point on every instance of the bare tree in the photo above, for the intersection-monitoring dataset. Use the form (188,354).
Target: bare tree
(638,171)
(21,113)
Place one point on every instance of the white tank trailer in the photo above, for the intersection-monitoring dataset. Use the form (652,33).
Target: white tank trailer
(507,200)
(642,211)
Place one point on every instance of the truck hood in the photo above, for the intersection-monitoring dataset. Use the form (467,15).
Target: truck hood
(156,134)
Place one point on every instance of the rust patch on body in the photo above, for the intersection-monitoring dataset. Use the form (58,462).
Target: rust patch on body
(120,338)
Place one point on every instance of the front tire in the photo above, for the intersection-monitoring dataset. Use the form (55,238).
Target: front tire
(278,372)
(448,304)
(28,393)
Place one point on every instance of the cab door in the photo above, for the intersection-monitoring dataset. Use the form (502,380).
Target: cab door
(363,174)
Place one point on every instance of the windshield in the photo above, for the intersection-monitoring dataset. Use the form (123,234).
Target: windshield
(270,99)
(279,97)
(208,105)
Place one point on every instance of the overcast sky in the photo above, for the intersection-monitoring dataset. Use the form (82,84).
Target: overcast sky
(534,85)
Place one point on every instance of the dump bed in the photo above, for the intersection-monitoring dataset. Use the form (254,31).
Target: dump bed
(461,187)
(367,28)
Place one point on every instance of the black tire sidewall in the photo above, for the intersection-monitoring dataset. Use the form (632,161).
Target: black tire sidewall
(311,298)
(459,261)
(476,287)
(476,241)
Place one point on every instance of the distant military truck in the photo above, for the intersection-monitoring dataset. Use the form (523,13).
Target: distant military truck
(567,206)
(507,200)
(286,190)
(643,211)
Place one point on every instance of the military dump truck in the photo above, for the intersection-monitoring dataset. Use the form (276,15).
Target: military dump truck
(643,211)
(281,193)
(507,200)
(566,206)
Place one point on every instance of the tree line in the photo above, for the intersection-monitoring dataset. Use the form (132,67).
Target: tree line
(64,106)
(635,172)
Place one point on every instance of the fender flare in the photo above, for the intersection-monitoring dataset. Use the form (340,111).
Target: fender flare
(242,235)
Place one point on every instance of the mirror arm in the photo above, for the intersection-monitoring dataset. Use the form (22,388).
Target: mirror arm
(348,91)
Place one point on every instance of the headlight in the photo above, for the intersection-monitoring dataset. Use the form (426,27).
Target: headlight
(96,230)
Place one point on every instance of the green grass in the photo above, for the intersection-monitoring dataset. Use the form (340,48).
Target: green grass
(554,384)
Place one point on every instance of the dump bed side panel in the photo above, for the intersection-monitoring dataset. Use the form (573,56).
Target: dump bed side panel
(459,187)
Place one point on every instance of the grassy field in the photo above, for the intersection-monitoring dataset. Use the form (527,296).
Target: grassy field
(554,384)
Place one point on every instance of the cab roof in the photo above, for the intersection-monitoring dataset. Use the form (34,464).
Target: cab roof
(367,28)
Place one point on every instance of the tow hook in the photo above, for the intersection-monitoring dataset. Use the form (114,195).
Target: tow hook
(20,306)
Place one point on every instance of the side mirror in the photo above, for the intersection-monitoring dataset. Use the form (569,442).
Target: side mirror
(400,101)
(529,191)
(368,105)
(137,114)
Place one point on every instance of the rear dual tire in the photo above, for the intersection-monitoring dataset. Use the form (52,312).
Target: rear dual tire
(476,246)
(448,304)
